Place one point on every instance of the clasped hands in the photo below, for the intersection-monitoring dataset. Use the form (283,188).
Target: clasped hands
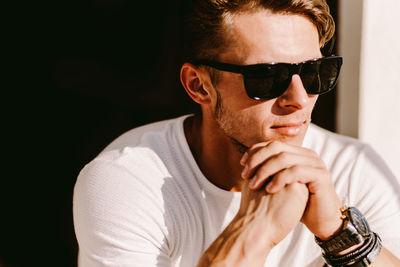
(301,176)
(284,184)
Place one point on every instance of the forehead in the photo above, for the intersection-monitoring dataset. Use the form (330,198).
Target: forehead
(263,36)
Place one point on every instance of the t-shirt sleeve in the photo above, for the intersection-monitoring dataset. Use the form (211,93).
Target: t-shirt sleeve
(118,220)
(375,191)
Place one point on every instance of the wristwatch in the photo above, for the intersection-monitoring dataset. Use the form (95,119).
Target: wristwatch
(355,230)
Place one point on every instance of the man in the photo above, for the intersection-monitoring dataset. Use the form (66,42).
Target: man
(249,181)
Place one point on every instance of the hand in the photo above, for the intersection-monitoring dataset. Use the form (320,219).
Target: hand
(276,165)
(275,214)
(262,221)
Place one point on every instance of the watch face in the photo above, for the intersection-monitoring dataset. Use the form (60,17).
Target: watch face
(358,220)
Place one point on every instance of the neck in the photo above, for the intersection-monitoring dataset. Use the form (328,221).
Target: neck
(217,157)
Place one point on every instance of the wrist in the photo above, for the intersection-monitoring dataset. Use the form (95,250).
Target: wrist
(330,230)
(354,244)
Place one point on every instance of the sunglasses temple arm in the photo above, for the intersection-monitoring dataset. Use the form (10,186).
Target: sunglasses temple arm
(332,44)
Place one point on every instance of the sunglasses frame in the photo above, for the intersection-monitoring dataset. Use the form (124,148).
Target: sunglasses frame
(294,68)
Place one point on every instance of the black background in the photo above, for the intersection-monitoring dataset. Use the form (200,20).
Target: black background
(81,73)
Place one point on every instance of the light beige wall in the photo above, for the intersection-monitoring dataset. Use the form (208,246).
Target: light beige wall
(369,93)
(349,32)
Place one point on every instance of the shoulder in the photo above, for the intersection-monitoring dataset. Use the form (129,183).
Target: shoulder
(139,170)
(157,130)
(120,208)
(139,188)
(131,170)
(137,162)
(127,166)
(127,196)
(143,155)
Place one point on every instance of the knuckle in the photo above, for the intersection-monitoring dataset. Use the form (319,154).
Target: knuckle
(263,174)
(323,165)
(251,161)
(280,177)
(283,156)
(314,153)
(258,146)
(274,145)
(325,173)
(294,168)
(261,171)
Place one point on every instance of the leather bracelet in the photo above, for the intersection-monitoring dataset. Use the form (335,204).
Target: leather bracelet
(363,256)
(350,258)
(339,242)
(370,257)
(340,260)
(364,248)
(354,231)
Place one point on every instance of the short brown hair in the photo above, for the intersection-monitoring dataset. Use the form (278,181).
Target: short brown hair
(205,32)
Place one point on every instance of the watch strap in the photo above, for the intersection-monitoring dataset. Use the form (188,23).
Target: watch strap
(346,237)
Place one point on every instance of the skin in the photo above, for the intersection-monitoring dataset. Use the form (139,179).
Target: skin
(255,146)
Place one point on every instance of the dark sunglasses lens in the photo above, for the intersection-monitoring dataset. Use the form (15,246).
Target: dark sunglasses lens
(320,76)
(267,82)
(263,82)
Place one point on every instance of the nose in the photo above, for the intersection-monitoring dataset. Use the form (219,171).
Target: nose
(295,96)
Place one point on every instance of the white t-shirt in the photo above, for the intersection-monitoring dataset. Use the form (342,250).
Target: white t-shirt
(144,201)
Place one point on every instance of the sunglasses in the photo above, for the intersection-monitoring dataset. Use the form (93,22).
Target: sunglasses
(270,80)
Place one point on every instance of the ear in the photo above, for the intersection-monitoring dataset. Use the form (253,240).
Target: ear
(193,80)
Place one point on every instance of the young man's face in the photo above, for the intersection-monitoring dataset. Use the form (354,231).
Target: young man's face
(263,37)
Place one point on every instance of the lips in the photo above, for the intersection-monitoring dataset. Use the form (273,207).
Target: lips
(288,129)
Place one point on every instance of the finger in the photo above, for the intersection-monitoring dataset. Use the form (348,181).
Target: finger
(259,153)
(252,150)
(313,177)
(278,162)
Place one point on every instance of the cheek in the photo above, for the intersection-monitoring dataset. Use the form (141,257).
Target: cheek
(232,91)
(246,111)
(256,117)
(260,116)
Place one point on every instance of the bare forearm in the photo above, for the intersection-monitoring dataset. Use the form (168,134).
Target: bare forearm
(386,259)
(234,247)
(263,220)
